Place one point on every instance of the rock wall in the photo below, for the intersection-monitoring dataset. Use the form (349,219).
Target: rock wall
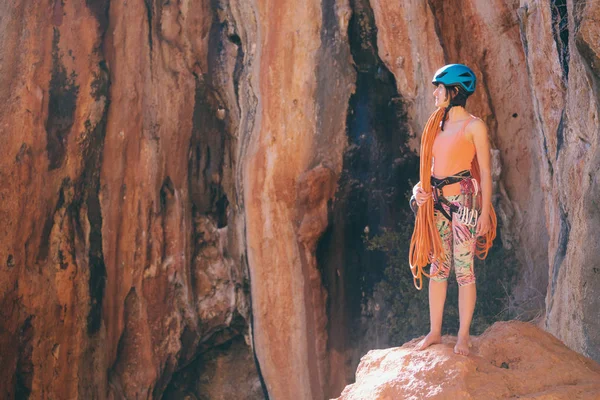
(290,173)
(168,170)
(123,237)
(567,106)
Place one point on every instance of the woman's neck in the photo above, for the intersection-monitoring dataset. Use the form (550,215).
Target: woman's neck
(457,113)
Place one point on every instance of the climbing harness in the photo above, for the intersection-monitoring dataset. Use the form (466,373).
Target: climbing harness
(466,211)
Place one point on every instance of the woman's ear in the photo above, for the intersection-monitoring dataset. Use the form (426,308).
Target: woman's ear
(453,91)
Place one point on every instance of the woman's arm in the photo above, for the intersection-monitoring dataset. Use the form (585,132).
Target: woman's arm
(478,131)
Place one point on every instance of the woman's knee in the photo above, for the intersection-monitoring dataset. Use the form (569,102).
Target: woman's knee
(440,273)
(465,277)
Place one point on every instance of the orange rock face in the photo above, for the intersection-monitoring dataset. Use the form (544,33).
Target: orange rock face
(167,171)
(571,165)
(118,240)
(510,360)
(291,171)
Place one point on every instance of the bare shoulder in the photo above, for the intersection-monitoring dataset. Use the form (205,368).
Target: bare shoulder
(476,129)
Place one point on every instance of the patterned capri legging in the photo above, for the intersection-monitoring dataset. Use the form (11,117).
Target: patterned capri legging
(459,243)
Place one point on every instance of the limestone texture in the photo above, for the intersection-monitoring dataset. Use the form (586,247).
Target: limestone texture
(121,253)
(169,171)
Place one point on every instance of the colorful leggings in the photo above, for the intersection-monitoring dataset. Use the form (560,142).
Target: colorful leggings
(459,247)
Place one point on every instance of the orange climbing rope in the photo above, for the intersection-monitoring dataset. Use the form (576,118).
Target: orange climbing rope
(426,244)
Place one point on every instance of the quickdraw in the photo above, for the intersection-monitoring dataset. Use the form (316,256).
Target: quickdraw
(468,217)
(467,211)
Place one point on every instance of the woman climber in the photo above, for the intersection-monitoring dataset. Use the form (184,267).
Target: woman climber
(455,219)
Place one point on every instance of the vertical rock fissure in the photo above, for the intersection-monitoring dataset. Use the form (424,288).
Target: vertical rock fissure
(97,282)
(561,252)
(89,188)
(208,145)
(24,369)
(560,31)
(166,194)
(377,166)
(62,104)
(44,246)
(214,119)
(560,133)
(437,28)
(491,122)
(149,14)
(523,15)
(90,179)
(263,384)
(239,64)
(100,10)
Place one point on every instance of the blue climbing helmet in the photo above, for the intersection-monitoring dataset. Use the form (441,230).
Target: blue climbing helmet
(456,75)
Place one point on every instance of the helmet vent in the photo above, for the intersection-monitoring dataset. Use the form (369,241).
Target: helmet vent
(441,75)
(465,74)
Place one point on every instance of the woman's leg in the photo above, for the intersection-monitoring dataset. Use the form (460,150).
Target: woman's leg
(464,252)
(438,284)
(467,296)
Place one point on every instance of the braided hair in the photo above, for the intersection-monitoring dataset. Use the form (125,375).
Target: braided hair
(458,97)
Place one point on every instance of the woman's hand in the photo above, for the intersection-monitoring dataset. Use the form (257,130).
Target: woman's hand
(483,224)
(421,196)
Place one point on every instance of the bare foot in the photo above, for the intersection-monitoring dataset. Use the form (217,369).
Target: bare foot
(462,345)
(431,338)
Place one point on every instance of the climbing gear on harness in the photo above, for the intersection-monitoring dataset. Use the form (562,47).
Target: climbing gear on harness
(439,199)
(468,212)
(425,243)
(456,75)
(468,216)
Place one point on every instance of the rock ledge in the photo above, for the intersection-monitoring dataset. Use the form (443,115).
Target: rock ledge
(509,360)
